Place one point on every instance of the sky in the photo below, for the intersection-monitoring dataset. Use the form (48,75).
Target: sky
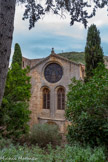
(55,32)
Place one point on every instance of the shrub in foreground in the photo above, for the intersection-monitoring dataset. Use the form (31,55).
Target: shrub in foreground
(43,134)
(87,109)
(76,153)
(4,142)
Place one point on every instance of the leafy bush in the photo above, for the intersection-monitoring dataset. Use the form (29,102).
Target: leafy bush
(4,142)
(76,153)
(89,131)
(43,134)
(87,109)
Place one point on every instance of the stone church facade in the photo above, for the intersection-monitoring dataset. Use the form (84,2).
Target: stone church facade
(50,78)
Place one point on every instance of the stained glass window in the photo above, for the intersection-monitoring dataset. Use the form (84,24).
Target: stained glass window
(46,98)
(61,99)
(53,72)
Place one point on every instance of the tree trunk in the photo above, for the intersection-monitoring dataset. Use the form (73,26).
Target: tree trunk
(7,12)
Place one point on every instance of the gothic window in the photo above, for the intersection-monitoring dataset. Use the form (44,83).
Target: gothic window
(53,72)
(23,63)
(46,98)
(83,71)
(61,99)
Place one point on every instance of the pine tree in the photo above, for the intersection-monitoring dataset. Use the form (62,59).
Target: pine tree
(93,51)
(17,56)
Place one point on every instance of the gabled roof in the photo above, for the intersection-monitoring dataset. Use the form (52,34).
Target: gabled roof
(31,62)
(57,56)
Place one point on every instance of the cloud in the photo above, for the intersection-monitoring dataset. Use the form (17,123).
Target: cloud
(100,19)
(55,32)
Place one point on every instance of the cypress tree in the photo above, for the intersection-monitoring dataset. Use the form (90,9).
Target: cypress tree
(14,111)
(93,51)
(17,56)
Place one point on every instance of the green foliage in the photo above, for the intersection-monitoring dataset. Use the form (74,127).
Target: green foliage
(18,84)
(17,56)
(74,56)
(4,142)
(14,112)
(87,109)
(74,153)
(93,50)
(43,134)
(77,57)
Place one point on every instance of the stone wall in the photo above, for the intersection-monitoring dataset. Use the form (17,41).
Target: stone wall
(29,62)
(38,81)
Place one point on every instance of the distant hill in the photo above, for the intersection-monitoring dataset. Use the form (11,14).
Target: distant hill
(74,56)
(78,57)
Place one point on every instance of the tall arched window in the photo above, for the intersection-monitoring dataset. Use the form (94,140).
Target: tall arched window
(61,99)
(46,98)
(23,63)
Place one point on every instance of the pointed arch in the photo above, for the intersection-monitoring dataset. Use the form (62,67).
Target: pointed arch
(61,98)
(46,98)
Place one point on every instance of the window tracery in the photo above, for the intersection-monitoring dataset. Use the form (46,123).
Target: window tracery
(61,99)
(46,98)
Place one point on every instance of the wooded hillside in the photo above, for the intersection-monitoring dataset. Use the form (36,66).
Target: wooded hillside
(78,57)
